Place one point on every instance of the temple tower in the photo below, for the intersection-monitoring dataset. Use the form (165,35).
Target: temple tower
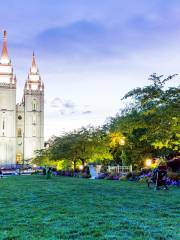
(33,102)
(7,109)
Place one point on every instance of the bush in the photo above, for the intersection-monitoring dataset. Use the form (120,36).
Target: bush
(123,178)
(129,175)
(104,169)
(174,176)
(143,179)
(101,175)
(84,175)
(174,164)
(136,173)
(65,173)
(38,172)
(133,175)
(145,171)
(86,170)
(112,177)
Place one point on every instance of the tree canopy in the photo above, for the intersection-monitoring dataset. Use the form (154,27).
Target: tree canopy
(151,122)
(148,127)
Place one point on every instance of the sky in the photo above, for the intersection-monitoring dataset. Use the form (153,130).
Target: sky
(90,52)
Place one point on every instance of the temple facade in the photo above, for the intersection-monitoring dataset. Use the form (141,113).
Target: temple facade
(22,124)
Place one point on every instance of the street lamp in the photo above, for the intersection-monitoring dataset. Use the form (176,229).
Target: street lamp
(81,167)
(122,142)
(148,162)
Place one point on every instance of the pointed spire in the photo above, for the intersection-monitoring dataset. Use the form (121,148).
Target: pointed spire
(34,79)
(4,55)
(34,68)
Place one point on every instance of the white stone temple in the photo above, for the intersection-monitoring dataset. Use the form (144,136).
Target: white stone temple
(22,124)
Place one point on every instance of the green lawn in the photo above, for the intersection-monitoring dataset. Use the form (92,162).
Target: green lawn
(32,207)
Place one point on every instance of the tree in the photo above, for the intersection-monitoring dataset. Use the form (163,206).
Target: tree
(80,146)
(42,158)
(150,123)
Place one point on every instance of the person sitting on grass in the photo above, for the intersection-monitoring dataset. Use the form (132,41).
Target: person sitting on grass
(159,176)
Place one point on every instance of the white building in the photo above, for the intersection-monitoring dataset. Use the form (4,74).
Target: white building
(21,125)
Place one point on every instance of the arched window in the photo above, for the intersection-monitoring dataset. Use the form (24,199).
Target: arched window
(18,158)
(19,132)
(34,119)
(34,131)
(3,126)
(34,105)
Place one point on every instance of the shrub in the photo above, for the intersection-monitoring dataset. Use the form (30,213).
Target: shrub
(145,170)
(36,172)
(174,176)
(86,170)
(136,173)
(143,179)
(104,169)
(129,175)
(112,177)
(174,164)
(133,175)
(123,178)
(84,175)
(101,175)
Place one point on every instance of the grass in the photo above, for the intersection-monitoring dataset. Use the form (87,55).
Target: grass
(32,207)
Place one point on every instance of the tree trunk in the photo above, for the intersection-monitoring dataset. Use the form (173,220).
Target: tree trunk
(74,165)
(83,162)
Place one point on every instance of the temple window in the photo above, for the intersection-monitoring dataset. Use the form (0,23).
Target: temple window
(34,132)
(34,119)
(19,132)
(34,105)
(18,158)
(3,127)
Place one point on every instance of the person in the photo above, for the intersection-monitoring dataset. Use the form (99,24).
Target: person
(49,173)
(154,175)
(1,173)
(160,175)
(44,171)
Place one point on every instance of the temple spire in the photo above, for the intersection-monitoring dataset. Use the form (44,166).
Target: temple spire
(34,68)
(4,55)
(33,82)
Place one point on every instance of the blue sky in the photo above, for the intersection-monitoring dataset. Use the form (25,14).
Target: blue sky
(90,52)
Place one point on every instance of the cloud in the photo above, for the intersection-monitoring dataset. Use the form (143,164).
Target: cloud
(84,28)
(97,38)
(62,103)
(56,103)
(87,112)
(68,107)
(81,37)
(62,112)
(64,107)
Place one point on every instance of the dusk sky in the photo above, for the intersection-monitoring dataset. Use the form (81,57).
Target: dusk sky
(90,52)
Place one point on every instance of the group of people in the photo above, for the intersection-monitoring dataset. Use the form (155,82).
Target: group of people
(159,176)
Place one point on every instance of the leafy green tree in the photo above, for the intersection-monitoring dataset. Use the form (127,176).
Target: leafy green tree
(42,159)
(80,146)
(150,123)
